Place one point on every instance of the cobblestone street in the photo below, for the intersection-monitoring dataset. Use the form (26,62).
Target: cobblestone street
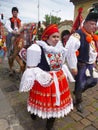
(14,115)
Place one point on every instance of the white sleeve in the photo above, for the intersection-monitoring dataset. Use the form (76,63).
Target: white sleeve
(72,46)
(68,73)
(33,55)
(8,26)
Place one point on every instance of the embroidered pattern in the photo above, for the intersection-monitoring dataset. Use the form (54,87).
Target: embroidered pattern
(55,61)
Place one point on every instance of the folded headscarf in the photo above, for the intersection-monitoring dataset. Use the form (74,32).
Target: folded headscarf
(49,30)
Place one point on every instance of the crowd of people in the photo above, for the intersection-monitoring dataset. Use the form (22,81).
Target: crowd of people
(47,77)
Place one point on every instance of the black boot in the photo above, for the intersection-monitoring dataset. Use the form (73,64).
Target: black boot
(78,103)
(49,124)
(33,117)
(79,107)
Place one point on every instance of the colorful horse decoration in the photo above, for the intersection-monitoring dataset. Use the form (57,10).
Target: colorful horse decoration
(23,41)
(2,42)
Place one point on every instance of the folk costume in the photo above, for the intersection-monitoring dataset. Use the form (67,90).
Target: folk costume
(87,76)
(12,24)
(46,77)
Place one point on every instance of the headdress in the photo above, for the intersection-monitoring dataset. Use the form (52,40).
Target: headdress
(49,30)
(93,15)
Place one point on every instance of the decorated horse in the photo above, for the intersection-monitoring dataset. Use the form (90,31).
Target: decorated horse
(2,42)
(21,43)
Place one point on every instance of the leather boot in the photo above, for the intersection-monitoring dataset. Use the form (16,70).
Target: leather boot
(78,97)
(79,107)
(33,117)
(49,124)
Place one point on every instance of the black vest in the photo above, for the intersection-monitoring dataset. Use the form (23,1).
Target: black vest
(12,24)
(84,48)
(43,63)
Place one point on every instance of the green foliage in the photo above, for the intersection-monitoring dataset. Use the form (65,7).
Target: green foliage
(51,19)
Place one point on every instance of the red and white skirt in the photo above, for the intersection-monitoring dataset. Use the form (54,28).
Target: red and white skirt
(52,101)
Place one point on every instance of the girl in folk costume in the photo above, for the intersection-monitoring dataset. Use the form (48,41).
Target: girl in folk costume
(46,77)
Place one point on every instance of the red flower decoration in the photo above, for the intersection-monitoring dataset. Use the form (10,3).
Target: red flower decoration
(15,19)
(95,37)
(49,55)
(89,39)
(77,53)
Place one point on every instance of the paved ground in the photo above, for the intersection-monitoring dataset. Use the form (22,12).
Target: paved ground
(14,116)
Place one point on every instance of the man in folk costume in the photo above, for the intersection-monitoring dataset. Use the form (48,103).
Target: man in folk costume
(83,65)
(12,25)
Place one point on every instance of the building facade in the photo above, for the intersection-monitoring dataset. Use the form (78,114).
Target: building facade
(85,4)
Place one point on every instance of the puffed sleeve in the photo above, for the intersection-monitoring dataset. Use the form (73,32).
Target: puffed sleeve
(28,77)
(33,55)
(72,46)
(33,72)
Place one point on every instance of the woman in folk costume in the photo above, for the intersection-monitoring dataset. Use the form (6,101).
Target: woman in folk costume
(46,78)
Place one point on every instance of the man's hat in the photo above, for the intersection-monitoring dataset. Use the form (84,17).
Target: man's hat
(93,15)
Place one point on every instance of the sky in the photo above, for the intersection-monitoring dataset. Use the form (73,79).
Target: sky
(29,11)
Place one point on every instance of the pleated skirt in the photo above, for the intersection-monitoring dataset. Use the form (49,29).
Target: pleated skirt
(42,100)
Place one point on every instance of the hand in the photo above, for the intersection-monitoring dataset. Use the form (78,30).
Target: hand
(74,71)
(17,33)
(14,32)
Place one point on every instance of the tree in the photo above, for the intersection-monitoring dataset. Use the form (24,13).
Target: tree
(51,19)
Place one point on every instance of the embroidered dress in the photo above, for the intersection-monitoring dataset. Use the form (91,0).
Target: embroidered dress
(49,90)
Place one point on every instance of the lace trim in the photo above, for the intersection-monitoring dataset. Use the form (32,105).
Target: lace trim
(48,114)
(32,74)
(50,49)
(27,80)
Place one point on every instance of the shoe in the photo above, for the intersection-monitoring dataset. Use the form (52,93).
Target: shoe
(33,117)
(50,123)
(11,73)
(79,107)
